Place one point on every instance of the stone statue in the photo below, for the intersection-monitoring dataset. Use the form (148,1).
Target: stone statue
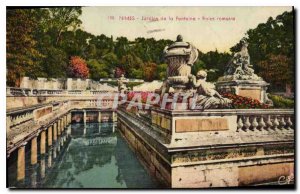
(208,97)
(121,84)
(180,56)
(239,67)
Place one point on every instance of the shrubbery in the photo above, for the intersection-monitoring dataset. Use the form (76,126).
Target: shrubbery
(281,102)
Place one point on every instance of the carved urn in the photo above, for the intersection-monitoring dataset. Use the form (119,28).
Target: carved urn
(180,56)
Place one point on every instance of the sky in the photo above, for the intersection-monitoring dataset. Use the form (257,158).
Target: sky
(207,31)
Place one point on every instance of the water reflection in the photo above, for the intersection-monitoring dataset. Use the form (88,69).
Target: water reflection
(87,156)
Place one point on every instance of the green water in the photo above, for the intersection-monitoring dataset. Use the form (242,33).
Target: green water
(95,156)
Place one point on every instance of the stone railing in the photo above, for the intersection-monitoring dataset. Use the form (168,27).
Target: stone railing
(17,118)
(266,119)
(23,116)
(231,120)
(12,91)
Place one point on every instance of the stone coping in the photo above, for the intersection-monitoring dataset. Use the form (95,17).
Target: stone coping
(220,112)
(18,140)
(30,108)
(193,141)
(242,82)
(261,160)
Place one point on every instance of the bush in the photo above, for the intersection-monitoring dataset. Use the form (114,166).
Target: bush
(240,102)
(281,102)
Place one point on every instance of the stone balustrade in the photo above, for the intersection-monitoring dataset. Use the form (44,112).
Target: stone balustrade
(24,123)
(276,119)
(12,91)
(232,146)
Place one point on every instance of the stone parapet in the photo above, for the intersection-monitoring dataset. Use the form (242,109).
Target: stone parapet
(212,148)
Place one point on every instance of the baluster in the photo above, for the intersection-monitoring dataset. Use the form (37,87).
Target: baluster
(261,123)
(240,124)
(276,123)
(282,123)
(254,124)
(247,124)
(269,123)
(289,123)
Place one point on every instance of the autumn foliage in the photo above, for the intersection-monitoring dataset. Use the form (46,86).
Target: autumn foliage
(78,68)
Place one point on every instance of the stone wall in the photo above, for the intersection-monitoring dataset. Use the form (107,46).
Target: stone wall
(64,84)
(209,151)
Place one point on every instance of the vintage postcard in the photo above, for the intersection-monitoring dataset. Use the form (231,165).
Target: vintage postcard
(150,97)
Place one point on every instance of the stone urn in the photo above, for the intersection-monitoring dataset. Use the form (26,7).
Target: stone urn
(180,56)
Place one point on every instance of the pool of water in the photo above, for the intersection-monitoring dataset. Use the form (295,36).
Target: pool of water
(91,156)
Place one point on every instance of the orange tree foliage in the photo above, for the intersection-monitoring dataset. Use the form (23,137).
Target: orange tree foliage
(78,68)
(149,71)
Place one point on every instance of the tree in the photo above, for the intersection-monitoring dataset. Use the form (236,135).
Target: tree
(78,68)
(97,70)
(20,45)
(149,70)
(63,19)
(277,69)
(161,71)
(119,72)
(214,62)
(272,41)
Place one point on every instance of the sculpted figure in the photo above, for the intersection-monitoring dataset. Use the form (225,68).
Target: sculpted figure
(121,84)
(240,67)
(208,97)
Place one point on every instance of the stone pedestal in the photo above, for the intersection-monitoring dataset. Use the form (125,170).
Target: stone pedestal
(246,88)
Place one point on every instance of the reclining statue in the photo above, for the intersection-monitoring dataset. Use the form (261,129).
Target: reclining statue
(206,95)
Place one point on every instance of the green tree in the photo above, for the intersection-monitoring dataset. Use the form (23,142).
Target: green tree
(270,39)
(161,71)
(98,70)
(20,45)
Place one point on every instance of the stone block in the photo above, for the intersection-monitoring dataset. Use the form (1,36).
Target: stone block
(251,93)
(188,177)
(201,124)
(264,173)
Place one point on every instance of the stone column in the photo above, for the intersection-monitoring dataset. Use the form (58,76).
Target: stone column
(43,142)
(34,151)
(21,163)
(58,127)
(8,123)
(61,125)
(70,118)
(50,136)
(54,132)
(99,117)
(66,120)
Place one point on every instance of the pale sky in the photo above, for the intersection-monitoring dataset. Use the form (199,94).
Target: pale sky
(205,35)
